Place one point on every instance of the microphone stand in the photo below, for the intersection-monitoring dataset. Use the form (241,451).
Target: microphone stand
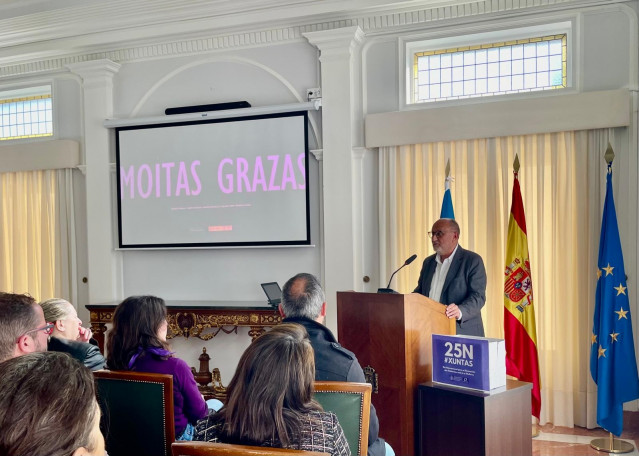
(388,289)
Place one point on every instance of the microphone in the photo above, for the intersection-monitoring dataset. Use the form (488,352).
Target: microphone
(406,263)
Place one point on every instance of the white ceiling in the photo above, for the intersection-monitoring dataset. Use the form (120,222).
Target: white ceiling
(37,30)
(21,8)
(34,29)
(15,8)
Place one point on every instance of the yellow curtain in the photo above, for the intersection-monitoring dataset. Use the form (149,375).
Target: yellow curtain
(34,252)
(562,179)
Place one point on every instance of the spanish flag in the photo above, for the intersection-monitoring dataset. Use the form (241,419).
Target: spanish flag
(519,317)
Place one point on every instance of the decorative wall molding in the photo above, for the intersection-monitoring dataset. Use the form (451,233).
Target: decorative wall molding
(336,43)
(26,48)
(95,73)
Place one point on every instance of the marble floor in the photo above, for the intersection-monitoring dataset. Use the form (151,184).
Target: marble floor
(561,441)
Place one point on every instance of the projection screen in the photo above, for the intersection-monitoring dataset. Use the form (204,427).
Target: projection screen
(225,182)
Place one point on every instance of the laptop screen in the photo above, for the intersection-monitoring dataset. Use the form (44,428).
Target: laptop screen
(273,292)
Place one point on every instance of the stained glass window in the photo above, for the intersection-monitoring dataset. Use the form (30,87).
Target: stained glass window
(490,69)
(26,115)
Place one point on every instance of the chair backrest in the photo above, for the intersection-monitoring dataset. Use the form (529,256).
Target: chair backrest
(351,402)
(225,449)
(137,412)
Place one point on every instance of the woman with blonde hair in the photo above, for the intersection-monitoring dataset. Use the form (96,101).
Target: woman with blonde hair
(68,335)
(270,399)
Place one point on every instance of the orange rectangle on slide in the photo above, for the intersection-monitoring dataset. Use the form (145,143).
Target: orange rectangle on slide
(221,228)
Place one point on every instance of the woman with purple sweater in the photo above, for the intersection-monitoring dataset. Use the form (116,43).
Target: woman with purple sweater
(137,342)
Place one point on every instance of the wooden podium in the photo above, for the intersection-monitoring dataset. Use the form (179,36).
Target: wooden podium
(391,336)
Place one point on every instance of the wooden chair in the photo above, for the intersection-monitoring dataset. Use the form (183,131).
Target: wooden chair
(137,412)
(225,449)
(351,402)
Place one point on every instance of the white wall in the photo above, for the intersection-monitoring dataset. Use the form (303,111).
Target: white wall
(604,52)
(262,76)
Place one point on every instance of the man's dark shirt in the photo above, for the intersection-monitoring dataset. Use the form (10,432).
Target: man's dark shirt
(334,363)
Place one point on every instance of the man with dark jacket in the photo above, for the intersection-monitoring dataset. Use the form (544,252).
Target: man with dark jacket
(303,303)
(456,277)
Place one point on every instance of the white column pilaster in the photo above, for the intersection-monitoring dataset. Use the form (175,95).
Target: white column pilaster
(337,48)
(104,262)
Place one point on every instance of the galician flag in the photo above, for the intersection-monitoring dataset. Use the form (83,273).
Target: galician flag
(613,365)
(520,331)
(447,204)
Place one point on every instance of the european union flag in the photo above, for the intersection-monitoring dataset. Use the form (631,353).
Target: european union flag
(613,365)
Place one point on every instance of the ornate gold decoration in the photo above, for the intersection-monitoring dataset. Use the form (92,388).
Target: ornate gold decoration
(203,322)
(191,324)
(98,328)
(255,332)
(271,320)
(105,316)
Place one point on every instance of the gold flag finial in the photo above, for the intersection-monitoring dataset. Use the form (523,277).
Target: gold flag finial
(609,156)
(516,163)
(447,168)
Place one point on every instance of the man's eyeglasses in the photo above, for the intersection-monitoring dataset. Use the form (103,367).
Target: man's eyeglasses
(437,234)
(47,329)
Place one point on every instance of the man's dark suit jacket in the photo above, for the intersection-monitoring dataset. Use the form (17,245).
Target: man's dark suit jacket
(465,285)
(86,353)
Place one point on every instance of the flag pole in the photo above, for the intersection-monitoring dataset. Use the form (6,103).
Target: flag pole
(610,445)
(535,428)
(535,423)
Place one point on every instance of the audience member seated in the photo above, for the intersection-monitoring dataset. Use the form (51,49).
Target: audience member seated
(48,407)
(137,342)
(23,328)
(69,336)
(270,399)
(304,303)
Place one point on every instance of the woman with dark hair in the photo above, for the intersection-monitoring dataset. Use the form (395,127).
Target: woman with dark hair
(48,406)
(270,399)
(137,342)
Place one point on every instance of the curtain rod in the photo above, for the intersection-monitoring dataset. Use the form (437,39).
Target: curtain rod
(313,105)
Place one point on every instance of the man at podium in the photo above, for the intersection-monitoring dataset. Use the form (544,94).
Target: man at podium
(455,277)
(303,303)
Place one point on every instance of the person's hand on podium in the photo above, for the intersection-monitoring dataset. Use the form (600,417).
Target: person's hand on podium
(453,311)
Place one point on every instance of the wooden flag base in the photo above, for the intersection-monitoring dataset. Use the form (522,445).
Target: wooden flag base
(610,445)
